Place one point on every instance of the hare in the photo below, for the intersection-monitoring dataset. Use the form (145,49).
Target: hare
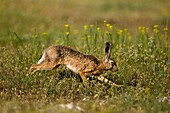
(80,63)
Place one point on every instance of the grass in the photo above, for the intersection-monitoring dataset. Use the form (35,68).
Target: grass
(143,58)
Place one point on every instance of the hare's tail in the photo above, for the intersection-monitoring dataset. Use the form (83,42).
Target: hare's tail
(42,58)
(103,79)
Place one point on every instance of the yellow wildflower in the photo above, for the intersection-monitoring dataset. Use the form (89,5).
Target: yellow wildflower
(129,37)
(155,26)
(98,29)
(85,27)
(108,25)
(66,25)
(143,31)
(67,33)
(44,34)
(125,30)
(91,25)
(139,28)
(119,32)
(111,27)
(88,36)
(82,38)
(163,36)
(107,33)
(143,28)
(165,29)
(57,41)
(35,36)
(105,22)
(155,31)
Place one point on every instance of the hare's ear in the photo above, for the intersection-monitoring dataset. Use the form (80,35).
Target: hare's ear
(107,51)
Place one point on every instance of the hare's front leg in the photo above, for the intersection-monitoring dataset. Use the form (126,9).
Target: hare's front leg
(83,77)
(103,79)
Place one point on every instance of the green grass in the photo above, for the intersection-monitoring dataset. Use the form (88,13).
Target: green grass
(141,52)
(144,70)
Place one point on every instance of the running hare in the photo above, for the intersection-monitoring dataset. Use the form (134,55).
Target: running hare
(76,61)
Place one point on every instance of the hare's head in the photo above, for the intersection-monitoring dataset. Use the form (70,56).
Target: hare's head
(108,63)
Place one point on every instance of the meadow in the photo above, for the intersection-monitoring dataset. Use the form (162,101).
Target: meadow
(141,49)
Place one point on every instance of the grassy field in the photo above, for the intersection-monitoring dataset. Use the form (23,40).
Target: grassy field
(139,32)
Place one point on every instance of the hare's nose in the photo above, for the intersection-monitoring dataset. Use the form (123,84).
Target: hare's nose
(115,68)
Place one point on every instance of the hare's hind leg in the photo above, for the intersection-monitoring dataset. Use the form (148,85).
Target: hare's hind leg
(43,66)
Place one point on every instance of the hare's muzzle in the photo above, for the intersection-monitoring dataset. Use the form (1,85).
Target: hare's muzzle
(115,68)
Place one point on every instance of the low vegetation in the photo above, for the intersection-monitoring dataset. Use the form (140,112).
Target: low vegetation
(144,72)
(141,49)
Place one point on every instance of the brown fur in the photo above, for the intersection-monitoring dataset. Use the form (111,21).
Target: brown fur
(78,62)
